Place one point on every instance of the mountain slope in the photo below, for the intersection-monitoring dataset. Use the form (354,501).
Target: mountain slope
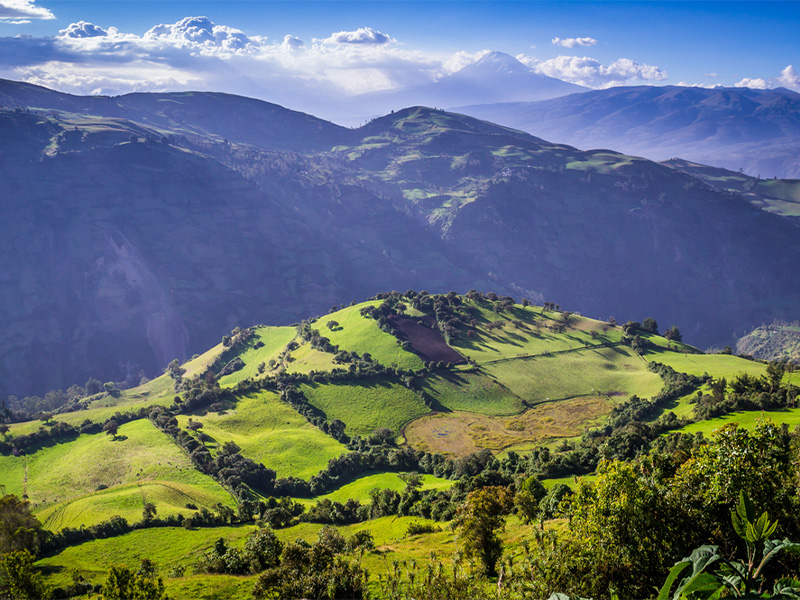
(756,130)
(133,242)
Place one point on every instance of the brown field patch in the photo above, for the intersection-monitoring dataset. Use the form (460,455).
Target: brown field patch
(426,342)
(461,433)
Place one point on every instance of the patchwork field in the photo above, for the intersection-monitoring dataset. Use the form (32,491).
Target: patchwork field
(270,342)
(531,336)
(790,416)
(366,406)
(460,434)
(716,365)
(273,433)
(361,487)
(615,372)
(355,333)
(472,392)
(64,482)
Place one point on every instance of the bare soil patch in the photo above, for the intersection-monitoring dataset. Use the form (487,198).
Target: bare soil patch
(426,342)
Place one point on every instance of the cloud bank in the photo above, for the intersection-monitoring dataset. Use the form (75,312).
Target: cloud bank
(590,72)
(572,42)
(22,11)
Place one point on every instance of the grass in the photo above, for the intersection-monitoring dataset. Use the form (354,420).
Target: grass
(472,392)
(533,337)
(460,434)
(614,372)
(362,335)
(361,487)
(169,547)
(274,339)
(790,416)
(364,407)
(305,359)
(716,365)
(273,433)
(571,481)
(141,465)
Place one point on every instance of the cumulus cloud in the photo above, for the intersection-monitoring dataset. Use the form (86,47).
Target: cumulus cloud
(590,72)
(362,35)
(82,29)
(789,78)
(572,42)
(22,11)
(757,83)
(201,31)
(291,42)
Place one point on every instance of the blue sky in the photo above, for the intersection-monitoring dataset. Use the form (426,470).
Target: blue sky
(355,47)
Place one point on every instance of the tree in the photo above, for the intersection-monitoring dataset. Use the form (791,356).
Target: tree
(111,429)
(479,520)
(19,528)
(149,511)
(650,325)
(22,581)
(124,584)
(674,334)
(528,497)
(45,417)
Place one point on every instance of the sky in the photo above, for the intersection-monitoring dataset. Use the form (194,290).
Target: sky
(293,49)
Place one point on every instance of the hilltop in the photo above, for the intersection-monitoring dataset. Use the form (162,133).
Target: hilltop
(140,228)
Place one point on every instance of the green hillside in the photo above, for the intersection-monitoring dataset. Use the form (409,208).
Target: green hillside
(325,413)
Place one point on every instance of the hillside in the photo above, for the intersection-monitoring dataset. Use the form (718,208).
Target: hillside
(141,228)
(334,414)
(778,341)
(733,128)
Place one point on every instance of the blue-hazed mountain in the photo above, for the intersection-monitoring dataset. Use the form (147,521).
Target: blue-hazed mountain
(144,233)
(495,77)
(757,131)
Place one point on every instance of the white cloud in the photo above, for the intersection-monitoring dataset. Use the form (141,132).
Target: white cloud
(708,86)
(291,42)
(789,78)
(17,12)
(757,83)
(82,29)
(712,75)
(362,35)
(201,31)
(572,42)
(592,73)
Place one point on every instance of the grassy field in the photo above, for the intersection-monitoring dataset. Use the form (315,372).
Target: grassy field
(472,392)
(273,433)
(533,337)
(716,365)
(366,406)
(460,433)
(306,359)
(615,372)
(361,487)
(790,416)
(274,339)
(179,547)
(141,465)
(360,334)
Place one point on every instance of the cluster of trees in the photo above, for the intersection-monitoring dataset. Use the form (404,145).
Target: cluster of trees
(747,392)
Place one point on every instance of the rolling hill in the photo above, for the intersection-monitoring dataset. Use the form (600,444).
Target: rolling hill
(139,229)
(522,378)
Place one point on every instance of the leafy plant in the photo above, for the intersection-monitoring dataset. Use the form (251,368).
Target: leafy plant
(713,576)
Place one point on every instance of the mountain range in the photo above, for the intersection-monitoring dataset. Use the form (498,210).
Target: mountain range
(757,131)
(141,228)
